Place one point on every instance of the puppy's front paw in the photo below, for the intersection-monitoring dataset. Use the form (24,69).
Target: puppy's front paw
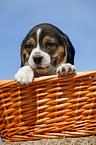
(66,69)
(24,75)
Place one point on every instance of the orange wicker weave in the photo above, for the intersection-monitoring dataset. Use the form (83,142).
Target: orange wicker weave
(50,107)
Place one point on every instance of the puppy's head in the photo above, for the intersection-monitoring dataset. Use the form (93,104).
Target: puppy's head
(45,47)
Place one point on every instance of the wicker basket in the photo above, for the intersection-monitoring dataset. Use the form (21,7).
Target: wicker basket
(50,107)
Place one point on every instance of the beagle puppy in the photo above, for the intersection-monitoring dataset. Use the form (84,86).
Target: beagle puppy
(46,50)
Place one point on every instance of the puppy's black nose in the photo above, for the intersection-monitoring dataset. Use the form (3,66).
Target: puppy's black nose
(37,59)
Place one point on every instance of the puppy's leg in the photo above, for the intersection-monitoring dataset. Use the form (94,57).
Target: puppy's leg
(24,75)
(65,69)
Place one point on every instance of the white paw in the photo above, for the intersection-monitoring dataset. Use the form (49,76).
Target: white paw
(66,69)
(24,75)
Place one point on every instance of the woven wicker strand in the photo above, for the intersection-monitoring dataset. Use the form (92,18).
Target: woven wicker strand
(50,107)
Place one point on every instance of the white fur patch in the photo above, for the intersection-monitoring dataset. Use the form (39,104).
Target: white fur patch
(24,75)
(65,69)
(46,59)
(38,35)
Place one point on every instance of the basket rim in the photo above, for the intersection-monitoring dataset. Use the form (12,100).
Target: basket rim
(42,78)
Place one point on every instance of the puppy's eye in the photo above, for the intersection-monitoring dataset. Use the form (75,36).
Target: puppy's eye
(50,44)
(29,46)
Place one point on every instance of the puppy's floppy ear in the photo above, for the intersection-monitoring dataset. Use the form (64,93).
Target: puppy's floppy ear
(22,49)
(24,53)
(70,49)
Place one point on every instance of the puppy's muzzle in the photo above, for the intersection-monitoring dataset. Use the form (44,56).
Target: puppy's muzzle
(37,59)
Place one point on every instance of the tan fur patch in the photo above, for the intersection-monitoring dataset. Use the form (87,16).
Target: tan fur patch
(24,56)
(31,41)
(48,38)
(59,55)
(25,52)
